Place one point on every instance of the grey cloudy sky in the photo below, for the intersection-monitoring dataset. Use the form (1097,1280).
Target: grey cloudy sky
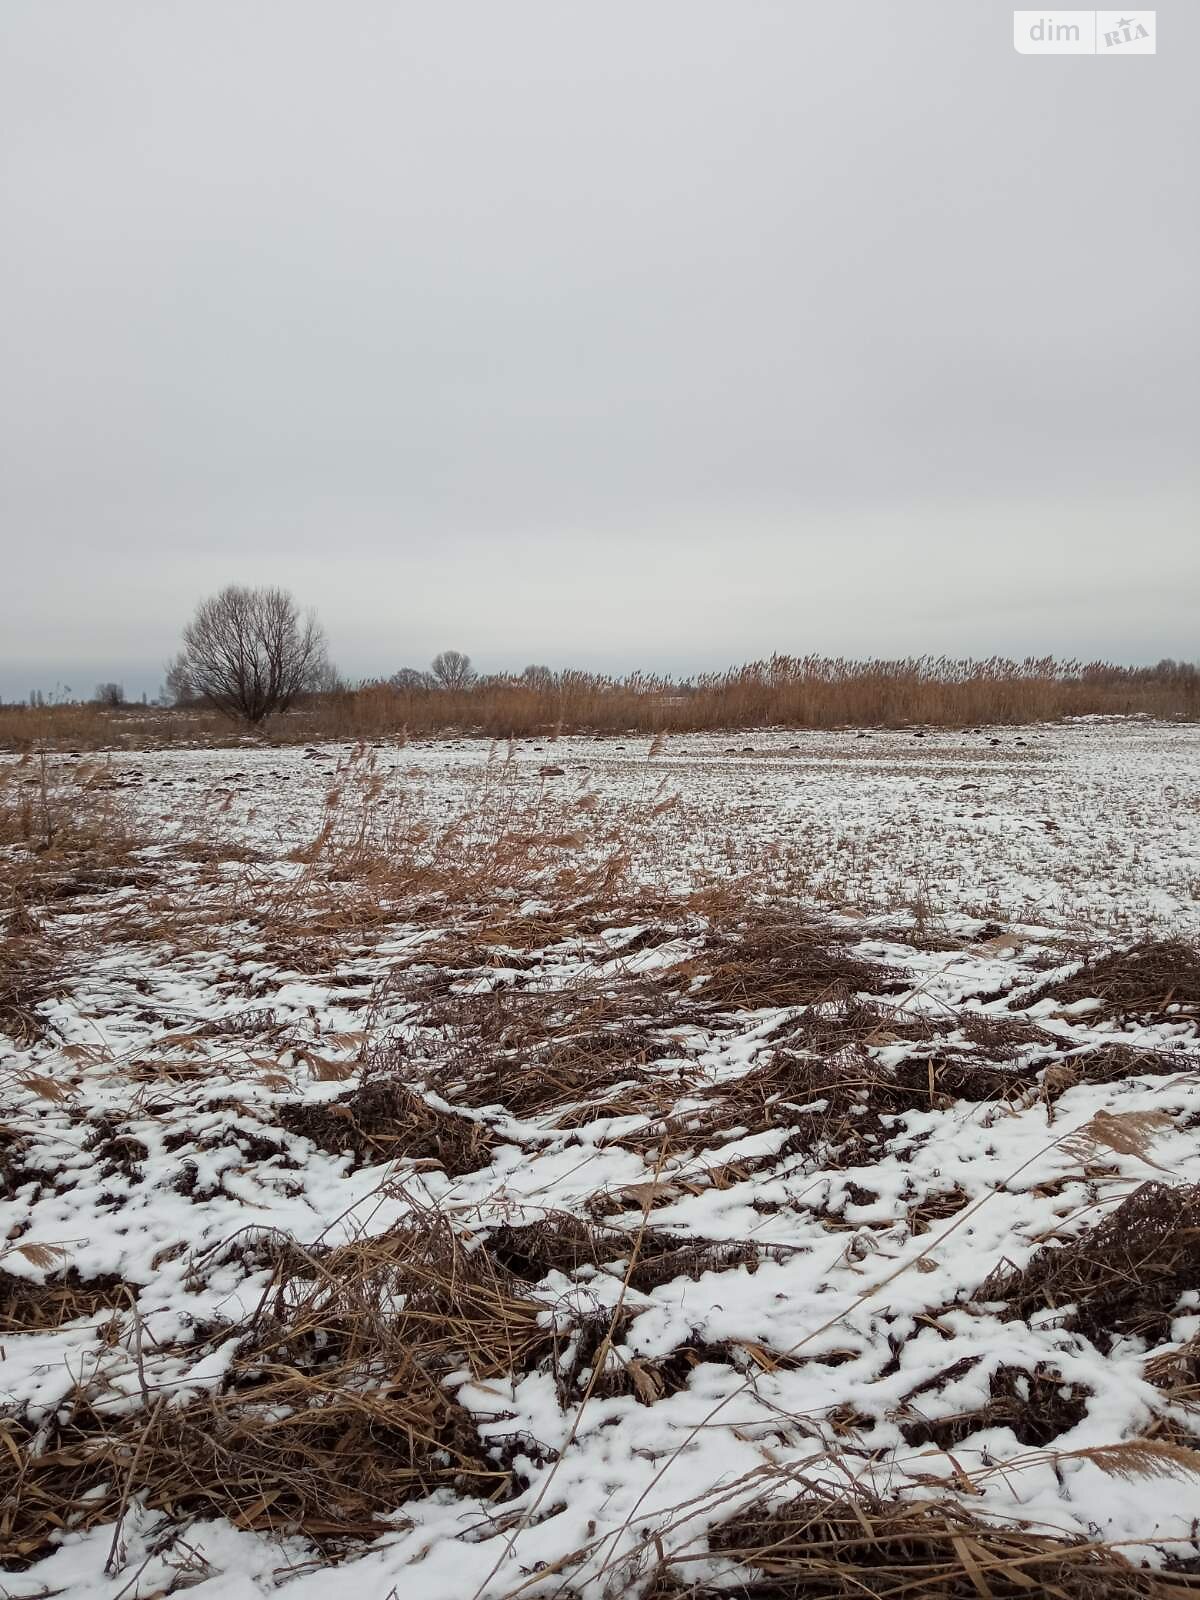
(645,332)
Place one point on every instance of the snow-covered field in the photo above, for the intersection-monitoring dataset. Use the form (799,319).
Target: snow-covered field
(495,1178)
(1095,824)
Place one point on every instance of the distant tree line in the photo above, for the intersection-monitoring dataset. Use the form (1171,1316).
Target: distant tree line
(449,670)
(249,653)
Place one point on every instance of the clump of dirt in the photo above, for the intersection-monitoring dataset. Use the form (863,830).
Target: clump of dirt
(591,1355)
(843,1104)
(20,922)
(1038,1406)
(929,1082)
(826,1027)
(252,1144)
(934,1206)
(693,1260)
(936,1076)
(561,1242)
(647,1379)
(1177,1373)
(14,1147)
(87,881)
(383,1120)
(29,1307)
(117,1153)
(564,1243)
(978,1057)
(999,1038)
(1123,1277)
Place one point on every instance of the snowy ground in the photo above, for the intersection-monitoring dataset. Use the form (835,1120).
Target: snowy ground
(786,1155)
(1095,824)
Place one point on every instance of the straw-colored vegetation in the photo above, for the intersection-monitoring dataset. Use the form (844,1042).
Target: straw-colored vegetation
(337,1397)
(785,691)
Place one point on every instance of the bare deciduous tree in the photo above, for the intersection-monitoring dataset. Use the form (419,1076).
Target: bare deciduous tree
(109,694)
(538,677)
(411,678)
(177,688)
(248,652)
(452,670)
(328,680)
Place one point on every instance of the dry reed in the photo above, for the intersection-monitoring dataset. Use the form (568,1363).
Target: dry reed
(782,691)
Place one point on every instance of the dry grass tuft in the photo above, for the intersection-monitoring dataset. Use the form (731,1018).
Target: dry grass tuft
(776,960)
(559,1242)
(31,973)
(333,1414)
(1122,1278)
(384,1120)
(534,1051)
(1037,1406)
(1147,980)
(28,1306)
(822,1546)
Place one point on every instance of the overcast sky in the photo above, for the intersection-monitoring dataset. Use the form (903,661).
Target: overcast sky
(659,333)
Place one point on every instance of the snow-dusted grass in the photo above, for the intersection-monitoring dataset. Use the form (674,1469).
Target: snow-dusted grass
(628,1141)
(1093,824)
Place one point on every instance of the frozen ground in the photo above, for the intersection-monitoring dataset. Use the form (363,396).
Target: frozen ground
(1094,824)
(749,1184)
